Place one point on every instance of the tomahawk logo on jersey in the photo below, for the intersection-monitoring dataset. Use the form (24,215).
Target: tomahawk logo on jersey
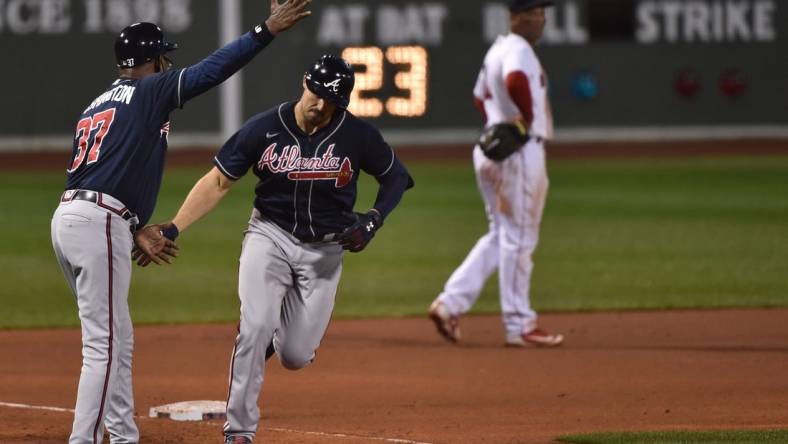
(304,178)
(326,167)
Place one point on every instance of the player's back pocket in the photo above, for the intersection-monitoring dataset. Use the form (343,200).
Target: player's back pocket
(70,218)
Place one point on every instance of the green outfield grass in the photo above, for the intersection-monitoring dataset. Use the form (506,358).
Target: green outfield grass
(682,437)
(617,234)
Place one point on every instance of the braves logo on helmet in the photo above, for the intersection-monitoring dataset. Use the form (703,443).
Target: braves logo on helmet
(331,78)
(333,85)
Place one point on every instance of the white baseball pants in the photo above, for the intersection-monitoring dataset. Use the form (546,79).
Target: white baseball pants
(514,193)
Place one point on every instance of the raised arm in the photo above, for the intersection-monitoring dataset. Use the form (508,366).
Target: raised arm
(226,61)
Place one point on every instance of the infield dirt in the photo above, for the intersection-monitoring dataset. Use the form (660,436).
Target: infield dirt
(394,379)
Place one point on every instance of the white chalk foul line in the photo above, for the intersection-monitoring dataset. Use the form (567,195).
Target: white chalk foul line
(35,407)
(276,429)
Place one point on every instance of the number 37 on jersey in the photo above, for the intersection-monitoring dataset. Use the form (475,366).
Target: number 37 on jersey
(96,125)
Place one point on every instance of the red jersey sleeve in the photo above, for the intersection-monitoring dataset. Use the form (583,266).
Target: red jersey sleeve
(479,104)
(520,92)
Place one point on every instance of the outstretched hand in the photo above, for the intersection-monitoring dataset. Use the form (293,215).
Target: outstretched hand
(150,245)
(285,15)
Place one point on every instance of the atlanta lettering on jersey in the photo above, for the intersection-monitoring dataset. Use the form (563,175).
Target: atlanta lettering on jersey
(326,167)
(290,159)
(120,93)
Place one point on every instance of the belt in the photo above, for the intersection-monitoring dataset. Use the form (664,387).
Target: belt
(98,199)
(322,239)
(325,239)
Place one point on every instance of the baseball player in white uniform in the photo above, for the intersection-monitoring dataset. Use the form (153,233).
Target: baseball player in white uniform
(511,88)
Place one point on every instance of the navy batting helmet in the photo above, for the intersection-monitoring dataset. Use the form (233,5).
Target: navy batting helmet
(140,43)
(331,78)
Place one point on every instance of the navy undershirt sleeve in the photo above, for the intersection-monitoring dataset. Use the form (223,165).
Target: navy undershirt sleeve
(393,185)
(172,89)
(379,160)
(223,63)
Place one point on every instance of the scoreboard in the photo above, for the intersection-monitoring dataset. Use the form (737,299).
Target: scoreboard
(410,80)
(610,64)
(402,53)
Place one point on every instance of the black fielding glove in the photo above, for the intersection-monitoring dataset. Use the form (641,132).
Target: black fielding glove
(356,237)
(501,141)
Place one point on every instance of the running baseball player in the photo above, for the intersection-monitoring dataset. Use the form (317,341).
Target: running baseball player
(509,161)
(113,179)
(307,156)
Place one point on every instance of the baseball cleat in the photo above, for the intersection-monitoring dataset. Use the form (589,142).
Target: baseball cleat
(535,338)
(237,440)
(447,324)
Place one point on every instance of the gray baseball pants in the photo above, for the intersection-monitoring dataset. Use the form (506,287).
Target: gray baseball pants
(93,247)
(287,290)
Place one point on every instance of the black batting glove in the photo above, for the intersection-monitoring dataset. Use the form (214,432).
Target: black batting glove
(356,237)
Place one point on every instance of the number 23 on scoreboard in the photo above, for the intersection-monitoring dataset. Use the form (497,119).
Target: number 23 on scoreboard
(413,80)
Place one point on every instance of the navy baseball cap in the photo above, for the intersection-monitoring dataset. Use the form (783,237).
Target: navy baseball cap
(524,5)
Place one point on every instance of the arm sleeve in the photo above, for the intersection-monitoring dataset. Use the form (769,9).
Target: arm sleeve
(223,63)
(239,152)
(393,185)
(479,104)
(520,92)
(171,89)
(380,161)
(515,76)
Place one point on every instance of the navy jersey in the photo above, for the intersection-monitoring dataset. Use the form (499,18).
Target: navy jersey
(120,144)
(307,183)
